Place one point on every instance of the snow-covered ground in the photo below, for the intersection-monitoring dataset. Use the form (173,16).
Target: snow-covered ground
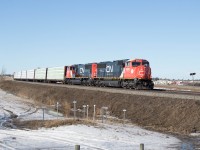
(23,108)
(101,137)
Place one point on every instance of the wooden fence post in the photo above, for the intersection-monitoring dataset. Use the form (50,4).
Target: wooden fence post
(141,146)
(77,147)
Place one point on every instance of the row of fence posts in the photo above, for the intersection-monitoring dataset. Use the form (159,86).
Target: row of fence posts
(78,147)
(104,112)
(86,109)
(44,108)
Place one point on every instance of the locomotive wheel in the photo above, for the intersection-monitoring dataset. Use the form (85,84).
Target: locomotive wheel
(138,87)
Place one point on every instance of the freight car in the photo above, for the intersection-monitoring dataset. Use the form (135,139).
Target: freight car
(131,74)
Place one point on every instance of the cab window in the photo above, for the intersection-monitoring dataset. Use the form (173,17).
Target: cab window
(135,64)
(127,64)
(72,68)
(145,63)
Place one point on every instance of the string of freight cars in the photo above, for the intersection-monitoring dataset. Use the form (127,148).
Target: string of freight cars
(130,74)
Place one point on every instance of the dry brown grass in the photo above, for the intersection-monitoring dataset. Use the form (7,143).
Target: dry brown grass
(36,124)
(66,108)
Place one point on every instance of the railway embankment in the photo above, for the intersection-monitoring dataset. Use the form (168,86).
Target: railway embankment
(165,114)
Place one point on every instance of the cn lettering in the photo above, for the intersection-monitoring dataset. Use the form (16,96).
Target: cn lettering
(81,70)
(109,68)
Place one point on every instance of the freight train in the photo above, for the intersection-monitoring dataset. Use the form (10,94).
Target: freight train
(130,74)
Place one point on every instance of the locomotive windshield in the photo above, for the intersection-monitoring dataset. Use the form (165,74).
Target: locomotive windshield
(135,64)
(72,68)
(145,63)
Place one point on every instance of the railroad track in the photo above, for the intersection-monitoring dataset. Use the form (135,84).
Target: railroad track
(156,92)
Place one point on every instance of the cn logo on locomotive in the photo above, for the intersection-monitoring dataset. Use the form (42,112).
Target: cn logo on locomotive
(109,68)
(81,70)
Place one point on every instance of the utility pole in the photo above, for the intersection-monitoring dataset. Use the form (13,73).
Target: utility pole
(193,74)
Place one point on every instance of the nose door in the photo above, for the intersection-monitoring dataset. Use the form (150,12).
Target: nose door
(127,70)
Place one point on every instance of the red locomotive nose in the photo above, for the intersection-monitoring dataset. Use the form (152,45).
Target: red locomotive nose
(144,72)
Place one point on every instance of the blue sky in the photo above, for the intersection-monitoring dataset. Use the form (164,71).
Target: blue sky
(48,33)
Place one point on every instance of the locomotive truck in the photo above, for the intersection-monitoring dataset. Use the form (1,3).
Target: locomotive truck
(130,74)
